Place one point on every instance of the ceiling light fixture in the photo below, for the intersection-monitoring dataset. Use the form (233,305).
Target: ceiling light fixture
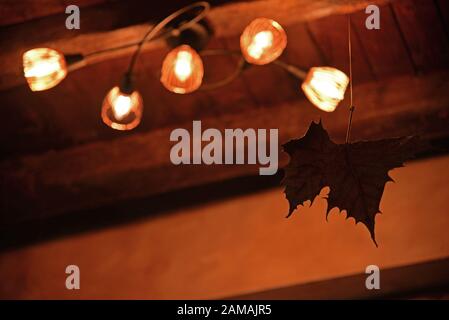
(187,32)
(122,107)
(325,87)
(43,68)
(263,41)
(182,70)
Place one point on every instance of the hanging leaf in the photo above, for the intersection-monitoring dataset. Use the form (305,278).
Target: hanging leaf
(356,173)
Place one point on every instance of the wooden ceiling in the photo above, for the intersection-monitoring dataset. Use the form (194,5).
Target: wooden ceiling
(59,158)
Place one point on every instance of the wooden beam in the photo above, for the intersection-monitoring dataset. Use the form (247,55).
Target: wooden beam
(243,245)
(402,281)
(14,12)
(101,173)
(97,22)
(231,19)
(429,51)
(123,23)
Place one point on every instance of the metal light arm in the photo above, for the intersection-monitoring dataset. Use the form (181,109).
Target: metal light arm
(77,61)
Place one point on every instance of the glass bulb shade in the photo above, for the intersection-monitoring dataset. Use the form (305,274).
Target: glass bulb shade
(182,70)
(263,41)
(122,111)
(325,87)
(43,68)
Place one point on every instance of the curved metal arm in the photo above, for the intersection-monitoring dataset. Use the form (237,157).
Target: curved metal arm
(298,73)
(238,70)
(242,64)
(153,31)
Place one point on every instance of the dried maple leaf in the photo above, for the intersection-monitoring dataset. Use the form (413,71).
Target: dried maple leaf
(356,173)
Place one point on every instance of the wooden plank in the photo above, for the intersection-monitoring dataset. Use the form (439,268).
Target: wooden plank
(13,11)
(241,245)
(259,81)
(69,114)
(231,19)
(397,281)
(232,98)
(331,34)
(40,117)
(384,48)
(301,49)
(138,165)
(113,24)
(443,8)
(123,23)
(429,48)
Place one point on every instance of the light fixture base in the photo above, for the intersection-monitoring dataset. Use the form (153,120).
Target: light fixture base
(197,35)
(126,85)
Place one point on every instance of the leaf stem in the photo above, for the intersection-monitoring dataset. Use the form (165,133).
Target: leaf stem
(351,108)
(348,131)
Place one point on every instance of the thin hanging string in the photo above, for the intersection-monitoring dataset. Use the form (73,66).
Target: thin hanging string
(351,106)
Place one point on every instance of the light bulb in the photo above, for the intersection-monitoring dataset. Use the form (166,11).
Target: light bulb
(43,68)
(183,65)
(262,41)
(182,70)
(122,111)
(121,106)
(325,87)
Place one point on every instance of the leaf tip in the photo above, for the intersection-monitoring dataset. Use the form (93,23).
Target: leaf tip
(370,227)
(290,211)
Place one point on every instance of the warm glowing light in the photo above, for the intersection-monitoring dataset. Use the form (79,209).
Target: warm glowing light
(182,70)
(43,68)
(183,65)
(325,87)
(122,111)
(121,106)
(263,41)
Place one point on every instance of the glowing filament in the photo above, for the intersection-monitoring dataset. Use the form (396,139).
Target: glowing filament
(121,106)
(261,41)
(43,68)
(325,87)
(183,65)
(182,70)
(122,111)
